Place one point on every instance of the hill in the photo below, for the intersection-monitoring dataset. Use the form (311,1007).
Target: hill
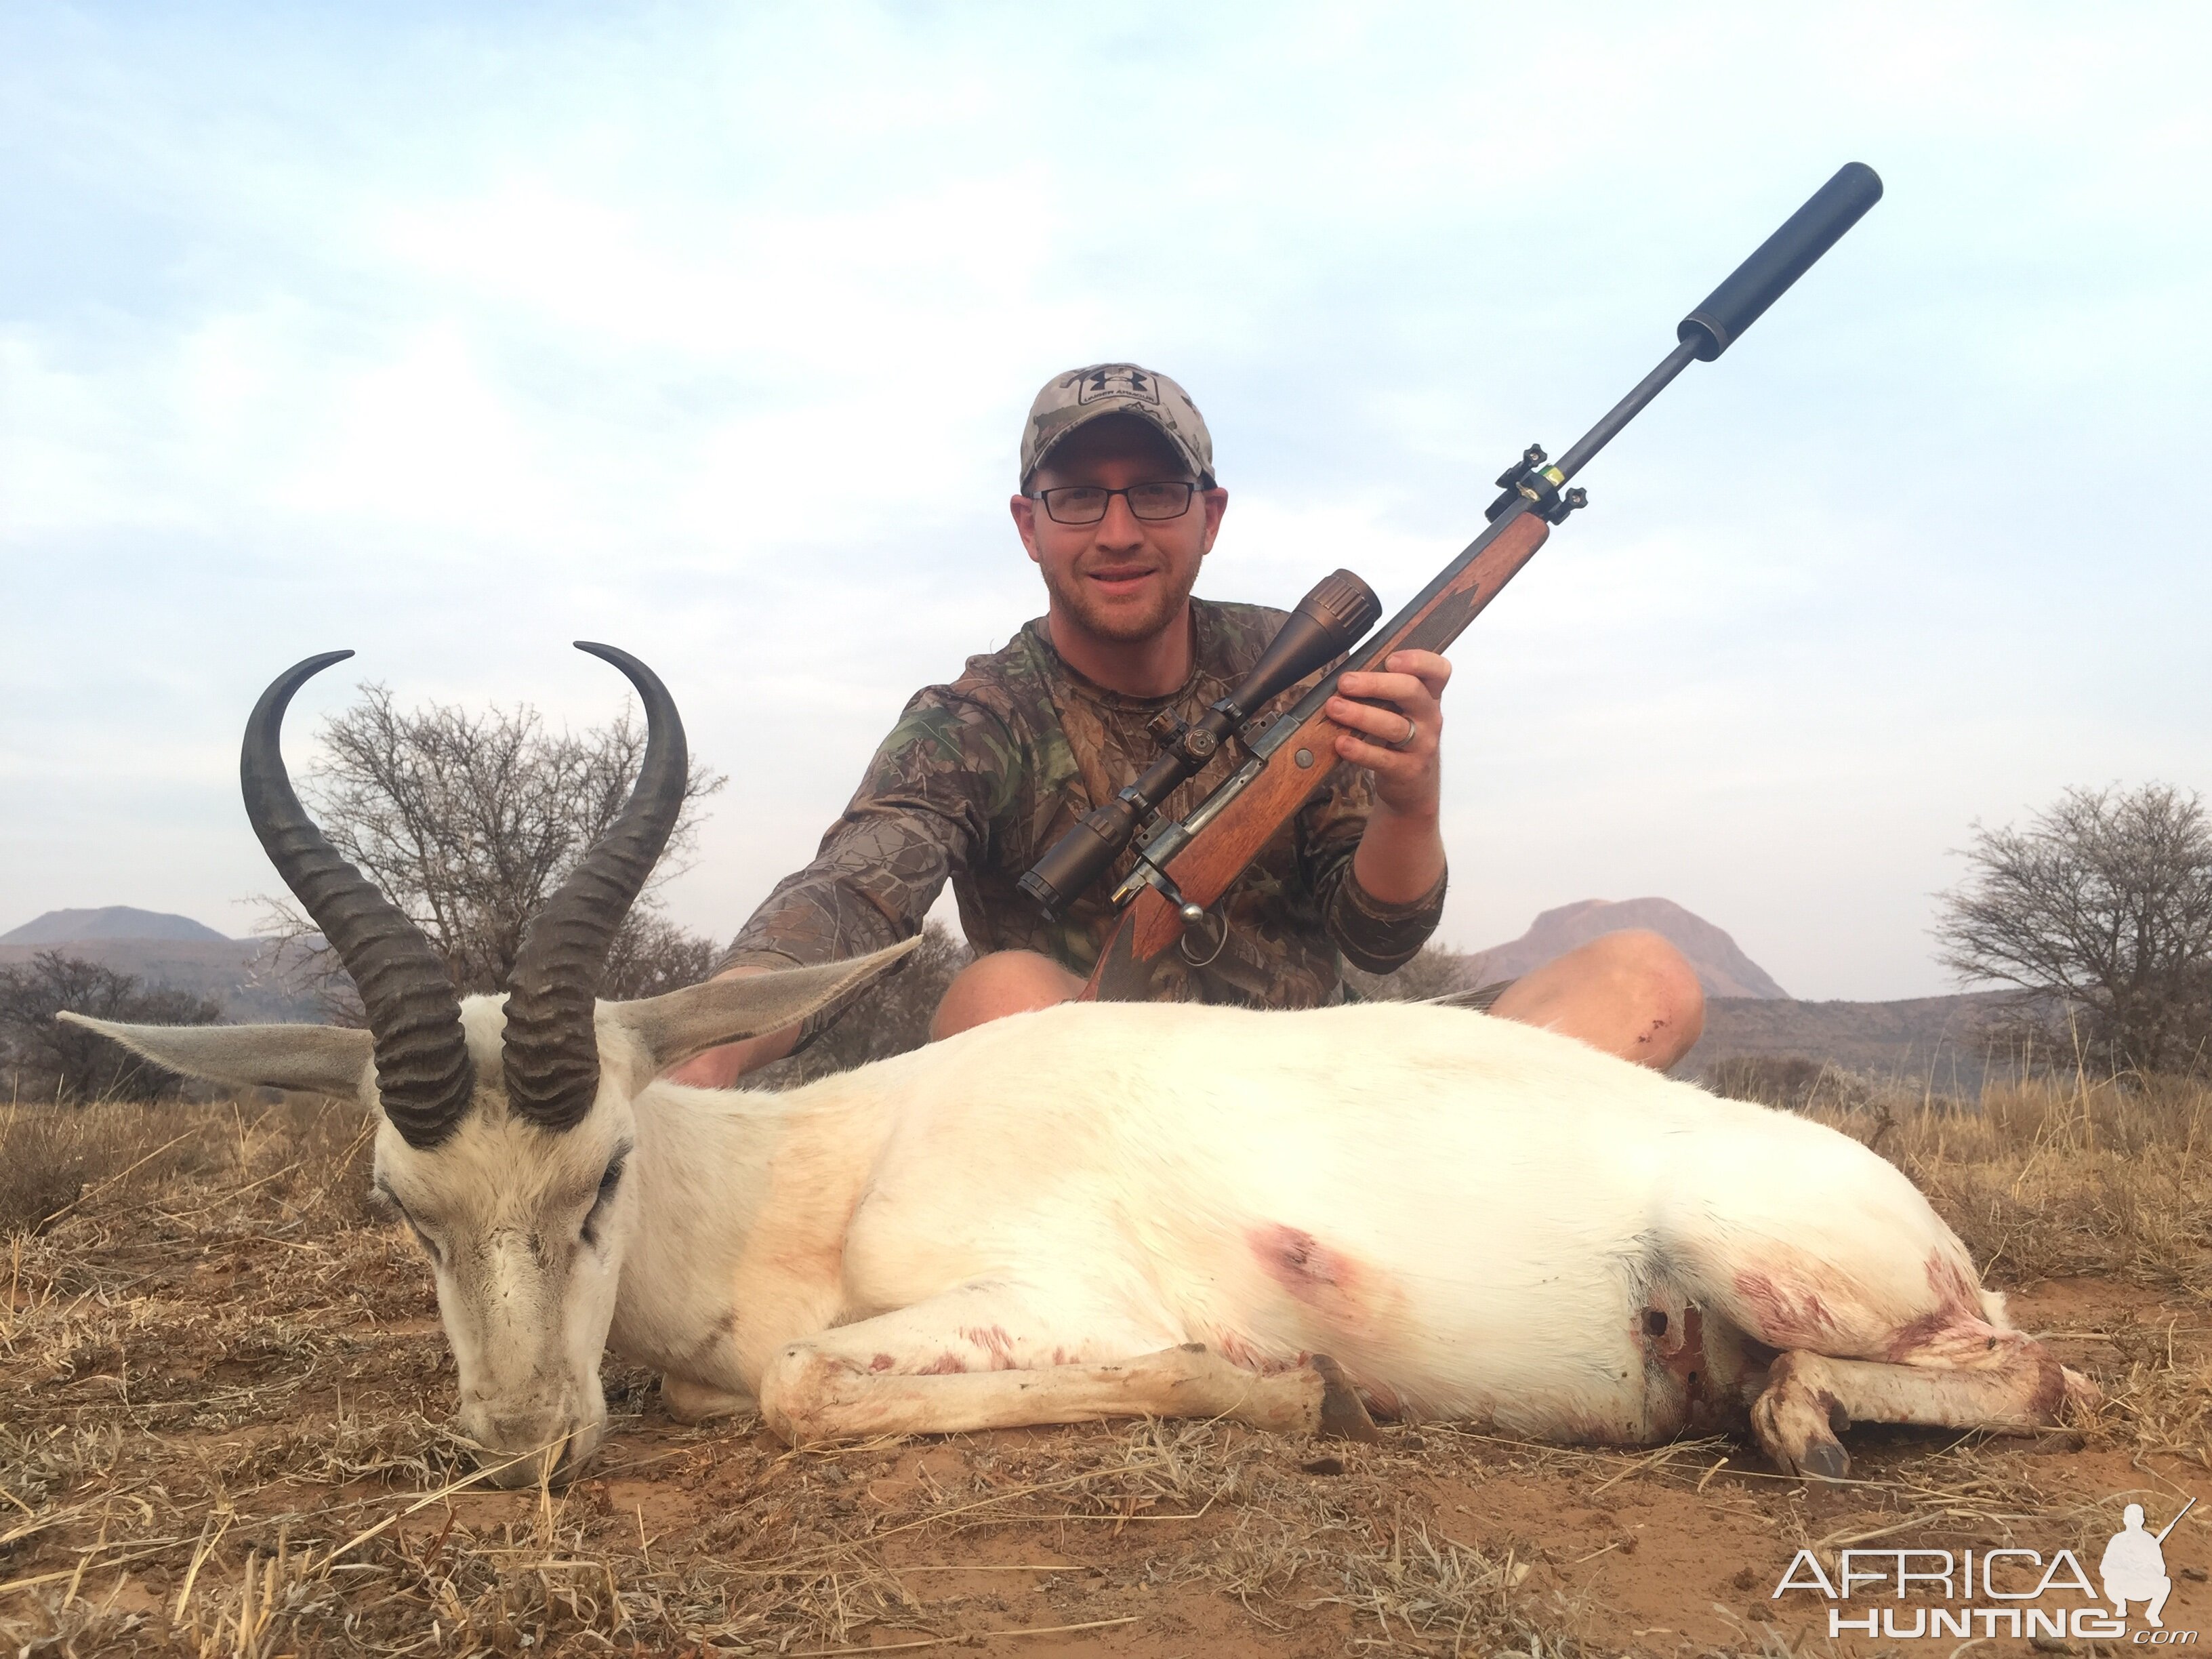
(110,922)
(1931,1043)
(1722,968)
(239,973)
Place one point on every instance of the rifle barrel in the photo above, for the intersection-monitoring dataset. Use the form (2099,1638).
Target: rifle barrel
(1628,408)
(2176,1522)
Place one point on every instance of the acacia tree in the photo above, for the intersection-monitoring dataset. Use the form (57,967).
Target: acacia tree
(469,823)
(42,1057)
(2104,900)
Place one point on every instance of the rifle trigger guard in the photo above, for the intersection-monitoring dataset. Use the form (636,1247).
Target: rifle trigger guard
(1191,912)
(1182,944)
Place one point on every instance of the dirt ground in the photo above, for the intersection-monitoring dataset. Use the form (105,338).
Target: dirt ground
(223,1387)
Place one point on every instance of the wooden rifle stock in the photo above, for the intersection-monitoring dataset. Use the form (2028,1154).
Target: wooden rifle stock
(1202,871)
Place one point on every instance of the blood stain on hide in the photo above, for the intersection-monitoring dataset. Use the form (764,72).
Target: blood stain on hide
(1947,1337)
(1785,1315)
(1686,1352)
(945,1364)
(882,1362)
(1243,1355)
(994,1341)
(1301,1263)
(1955,1331)
(1951,1282)
(1674,1356)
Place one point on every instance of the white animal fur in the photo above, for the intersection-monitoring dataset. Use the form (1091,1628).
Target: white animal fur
(1474,1219)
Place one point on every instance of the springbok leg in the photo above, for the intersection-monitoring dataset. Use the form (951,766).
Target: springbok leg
(980,1358)
(696,1402)
(2012,1385)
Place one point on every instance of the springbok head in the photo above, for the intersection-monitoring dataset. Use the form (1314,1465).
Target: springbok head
(506,1122)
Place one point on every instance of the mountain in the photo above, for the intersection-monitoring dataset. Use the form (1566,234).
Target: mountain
(1723,969)
(109,921)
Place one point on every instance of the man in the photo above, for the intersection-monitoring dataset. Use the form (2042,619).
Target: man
(1118,507)
(2134,1568)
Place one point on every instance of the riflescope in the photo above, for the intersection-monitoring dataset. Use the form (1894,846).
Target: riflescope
(1328,622)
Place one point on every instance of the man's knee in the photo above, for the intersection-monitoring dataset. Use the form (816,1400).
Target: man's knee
(1656,980)
(1004,982)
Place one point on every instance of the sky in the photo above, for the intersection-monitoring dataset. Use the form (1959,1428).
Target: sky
(453,334)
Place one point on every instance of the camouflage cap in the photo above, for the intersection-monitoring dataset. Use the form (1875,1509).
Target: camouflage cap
(1082,395)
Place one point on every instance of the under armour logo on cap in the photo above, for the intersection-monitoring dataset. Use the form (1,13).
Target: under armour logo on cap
(1118,380)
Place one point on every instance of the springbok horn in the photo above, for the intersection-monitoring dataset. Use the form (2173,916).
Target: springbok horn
(552,1053)
(424,1074)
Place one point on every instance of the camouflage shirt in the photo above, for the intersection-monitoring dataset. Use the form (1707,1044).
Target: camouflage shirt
(981,777)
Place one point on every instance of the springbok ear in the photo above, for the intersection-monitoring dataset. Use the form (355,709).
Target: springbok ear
(329,1059)
(681,1024)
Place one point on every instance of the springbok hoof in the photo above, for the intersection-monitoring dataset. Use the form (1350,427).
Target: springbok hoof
(1797,1425)
(1824,1460)
(1343,1417)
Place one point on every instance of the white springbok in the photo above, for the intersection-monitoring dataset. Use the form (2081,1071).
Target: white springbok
(1289,1220)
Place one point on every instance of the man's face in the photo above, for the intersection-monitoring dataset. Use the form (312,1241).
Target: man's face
(1123,578)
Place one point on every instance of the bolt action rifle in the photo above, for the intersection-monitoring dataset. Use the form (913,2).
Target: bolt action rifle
(1183,866)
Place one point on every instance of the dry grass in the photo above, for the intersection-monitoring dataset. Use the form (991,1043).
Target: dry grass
(224,1389)
(2057,1178)
(51,1157)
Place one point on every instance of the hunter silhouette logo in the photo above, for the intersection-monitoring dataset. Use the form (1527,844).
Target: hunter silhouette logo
(2133,1566)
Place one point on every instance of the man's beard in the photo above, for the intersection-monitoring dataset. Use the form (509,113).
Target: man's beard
(1123,623)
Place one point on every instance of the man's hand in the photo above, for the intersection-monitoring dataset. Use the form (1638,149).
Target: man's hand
(1401,854)
(1397,743)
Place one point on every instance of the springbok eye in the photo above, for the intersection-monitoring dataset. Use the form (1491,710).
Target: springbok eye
(608,1183)
(384,1199)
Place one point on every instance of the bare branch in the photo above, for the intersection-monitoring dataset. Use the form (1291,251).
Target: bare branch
(470,821)
(2105,899)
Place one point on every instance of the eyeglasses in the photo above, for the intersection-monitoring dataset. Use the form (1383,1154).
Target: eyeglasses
(1086,503)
